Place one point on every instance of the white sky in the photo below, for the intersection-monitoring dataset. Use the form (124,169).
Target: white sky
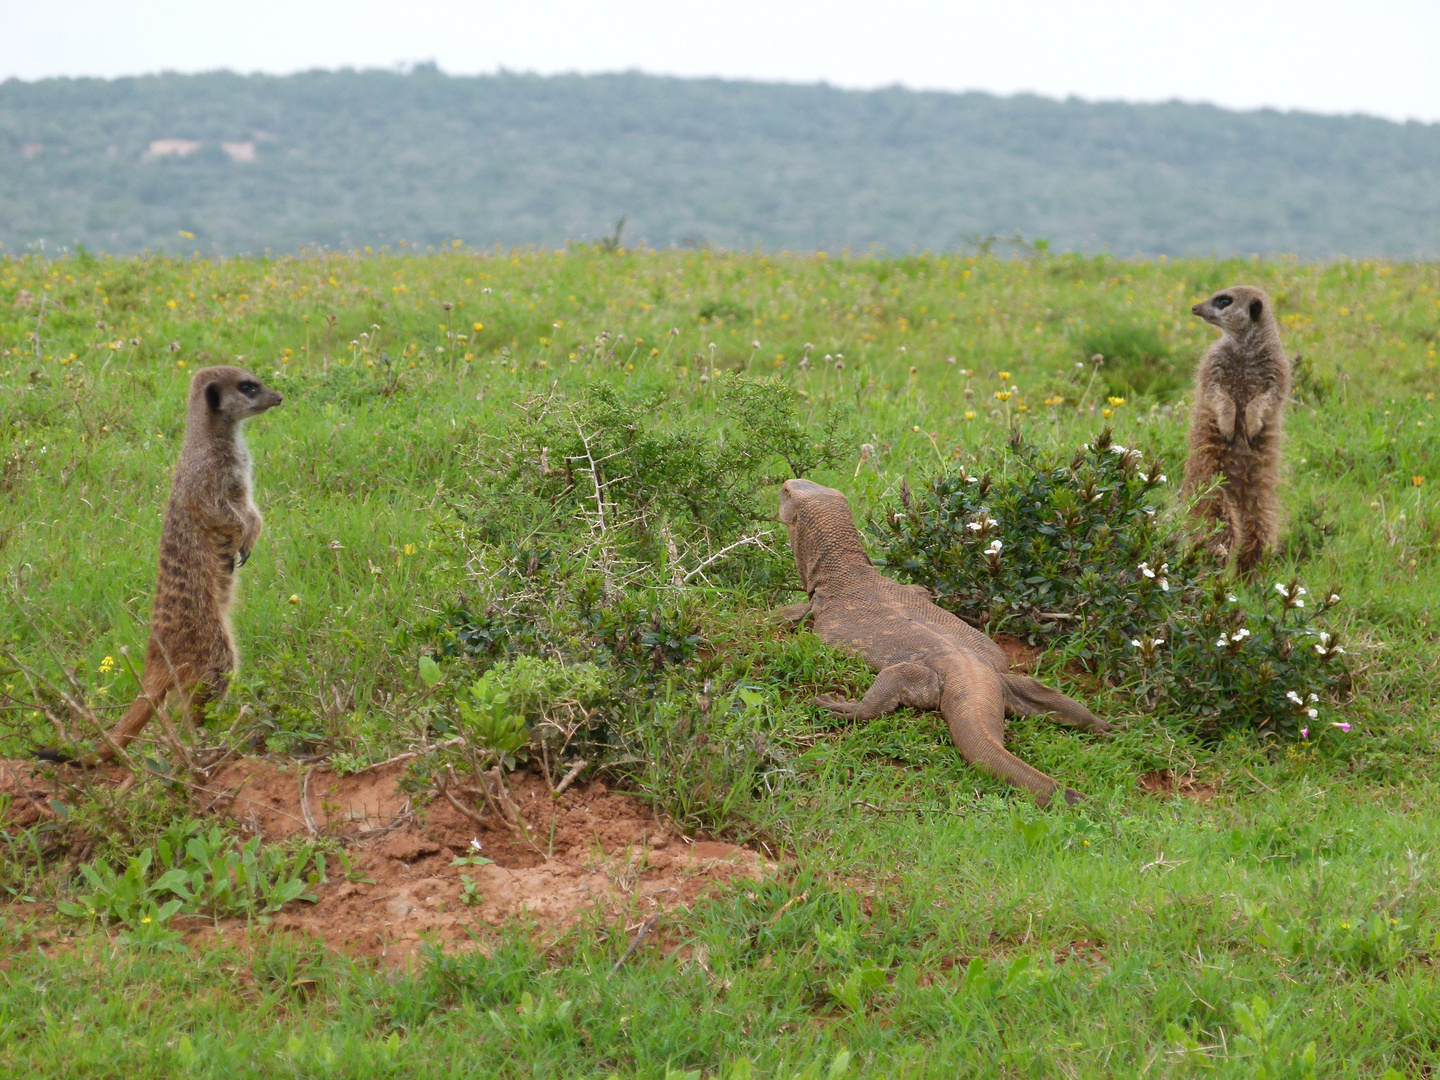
(1381,57)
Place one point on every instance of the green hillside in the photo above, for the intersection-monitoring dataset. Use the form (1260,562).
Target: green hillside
(344,159)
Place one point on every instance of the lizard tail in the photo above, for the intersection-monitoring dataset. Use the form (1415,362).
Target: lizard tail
(973,704)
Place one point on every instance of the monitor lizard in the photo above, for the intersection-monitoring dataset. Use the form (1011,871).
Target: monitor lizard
(924,656)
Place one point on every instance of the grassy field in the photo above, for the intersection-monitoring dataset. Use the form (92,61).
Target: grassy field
(928,921)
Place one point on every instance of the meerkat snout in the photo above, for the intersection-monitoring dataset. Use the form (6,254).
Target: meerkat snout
(236,395)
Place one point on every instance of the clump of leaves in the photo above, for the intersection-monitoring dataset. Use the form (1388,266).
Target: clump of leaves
(1074,548)
(1079,553)
(191,869)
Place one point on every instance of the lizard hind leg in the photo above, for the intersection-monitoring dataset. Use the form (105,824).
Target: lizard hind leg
(973,705)
(914,685)
(1025,696)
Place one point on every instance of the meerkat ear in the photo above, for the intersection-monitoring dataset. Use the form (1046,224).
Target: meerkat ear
(1256,307)
(212,397)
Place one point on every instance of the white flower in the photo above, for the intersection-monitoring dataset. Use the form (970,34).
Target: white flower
(1233,599)
(1313,697)
(1135,642)
(1222,641)
(1162,478)
(974,526)
(1116,448)
(1324,638)
(1282,590)
(1293,696)
(1299,602)
(1159,641)
(1164,585)
(1311,713)
(994,548)
(973,479)
(475,843)
(1302,591)
(1144,568)
(1240,635)
(1334,598)
(1143,477)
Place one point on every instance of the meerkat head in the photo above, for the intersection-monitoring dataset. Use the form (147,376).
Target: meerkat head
(1238,310)
(230,394)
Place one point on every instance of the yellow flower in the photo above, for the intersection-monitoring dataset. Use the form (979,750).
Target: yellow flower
(479,326)
(146,920)
(107,665)
(969,414)
(1116,401)
(1002,395)
(1107,413)
(171,304)
(1417,480)
(294,599)
(1003,376)
(409,549)
(1022,408)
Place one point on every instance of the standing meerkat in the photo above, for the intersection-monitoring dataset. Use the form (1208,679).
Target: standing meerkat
(210,528)
(1236,427)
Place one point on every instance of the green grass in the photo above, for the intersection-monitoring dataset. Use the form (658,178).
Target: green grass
(1127,938)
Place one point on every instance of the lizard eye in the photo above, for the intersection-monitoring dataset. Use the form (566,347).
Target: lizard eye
(1222,302)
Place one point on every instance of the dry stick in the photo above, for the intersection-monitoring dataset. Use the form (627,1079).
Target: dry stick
(305,802)
(569,777)
(758,538)
(471,814)
(636,943)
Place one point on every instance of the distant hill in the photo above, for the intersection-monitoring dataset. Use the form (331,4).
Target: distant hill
(351,158)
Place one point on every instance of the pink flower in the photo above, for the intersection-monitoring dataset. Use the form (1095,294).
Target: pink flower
(1304,733)
(1342,725)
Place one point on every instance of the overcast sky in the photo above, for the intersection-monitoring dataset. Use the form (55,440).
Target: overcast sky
(1381,57)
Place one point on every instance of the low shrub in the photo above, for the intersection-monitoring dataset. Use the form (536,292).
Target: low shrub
(1082,553)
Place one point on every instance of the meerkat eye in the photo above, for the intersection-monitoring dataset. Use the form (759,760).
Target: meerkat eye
(248,388)
(1222,302)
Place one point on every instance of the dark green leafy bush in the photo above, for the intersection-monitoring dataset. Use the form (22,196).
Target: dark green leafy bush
(1082,554)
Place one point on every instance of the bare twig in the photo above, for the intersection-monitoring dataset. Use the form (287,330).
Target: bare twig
(758,538)
(305,802)
(569,777)
(644,930)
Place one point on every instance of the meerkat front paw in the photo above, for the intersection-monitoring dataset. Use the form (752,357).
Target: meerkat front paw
(242,557)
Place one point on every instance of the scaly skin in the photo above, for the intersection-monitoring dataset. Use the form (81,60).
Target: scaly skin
(924,657)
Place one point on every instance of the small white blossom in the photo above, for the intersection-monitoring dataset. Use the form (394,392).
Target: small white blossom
(1240,635)
(1143,477)
(1135,642)
(994,548)
(1282,590)
(1334,598)
(475,843)
(1222,641)
(1159,641)
(1144,568)
(1162,478)
(1311,713)
(1302,591)
(1164,585)
(1233,599)
(1293,696)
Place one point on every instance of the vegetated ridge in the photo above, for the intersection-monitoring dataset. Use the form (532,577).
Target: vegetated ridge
(349,158)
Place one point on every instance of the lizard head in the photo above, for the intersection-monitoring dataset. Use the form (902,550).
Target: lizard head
(822,530)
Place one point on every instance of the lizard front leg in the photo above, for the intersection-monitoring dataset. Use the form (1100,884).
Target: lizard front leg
(914,685)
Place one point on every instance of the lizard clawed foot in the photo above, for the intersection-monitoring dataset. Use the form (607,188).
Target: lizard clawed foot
(1073,797)
(838,706)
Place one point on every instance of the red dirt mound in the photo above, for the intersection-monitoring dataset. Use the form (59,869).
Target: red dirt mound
(589,850)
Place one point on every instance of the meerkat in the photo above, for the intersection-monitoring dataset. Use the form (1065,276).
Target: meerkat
(1241,386)
(211,525)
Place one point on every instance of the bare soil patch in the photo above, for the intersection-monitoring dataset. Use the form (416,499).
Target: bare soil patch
(591,852)
(1166,784)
